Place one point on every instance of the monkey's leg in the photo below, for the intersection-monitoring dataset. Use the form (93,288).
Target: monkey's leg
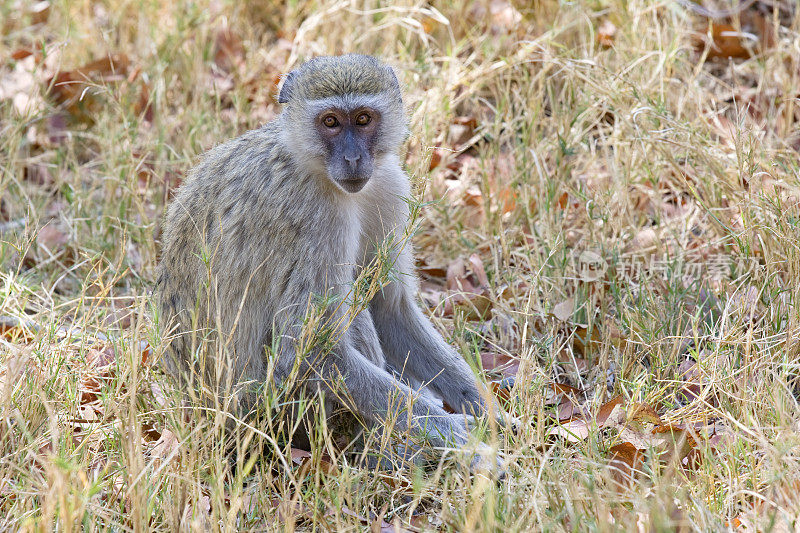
(380,448)
(365,338)
(411,343)
(377,396)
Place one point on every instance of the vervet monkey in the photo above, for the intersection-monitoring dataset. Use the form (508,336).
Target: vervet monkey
(278,223)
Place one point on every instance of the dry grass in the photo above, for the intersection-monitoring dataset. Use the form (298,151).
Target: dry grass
(560,137)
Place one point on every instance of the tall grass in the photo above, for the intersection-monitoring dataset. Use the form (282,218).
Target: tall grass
(640,146)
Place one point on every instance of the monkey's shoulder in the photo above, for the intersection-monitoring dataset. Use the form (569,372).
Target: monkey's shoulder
(247,160)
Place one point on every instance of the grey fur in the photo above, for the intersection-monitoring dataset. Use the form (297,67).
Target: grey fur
(259,231)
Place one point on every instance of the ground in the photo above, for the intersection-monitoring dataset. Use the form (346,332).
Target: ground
(608,199)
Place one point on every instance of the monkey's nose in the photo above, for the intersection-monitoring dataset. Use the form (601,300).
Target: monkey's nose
(352,160)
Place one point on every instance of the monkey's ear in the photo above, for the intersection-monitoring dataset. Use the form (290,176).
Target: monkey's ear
(394,77)
(286,88)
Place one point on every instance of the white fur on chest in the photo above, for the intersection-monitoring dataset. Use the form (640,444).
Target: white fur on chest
(383,203)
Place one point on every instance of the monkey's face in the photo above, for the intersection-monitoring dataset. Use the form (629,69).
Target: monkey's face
(349,140)
(344,117)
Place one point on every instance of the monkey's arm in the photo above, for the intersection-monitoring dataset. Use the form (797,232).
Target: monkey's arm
(411,343)
(369,389)
(376,395)
(365,338)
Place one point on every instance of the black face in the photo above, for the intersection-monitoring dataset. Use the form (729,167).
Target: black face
(349,137)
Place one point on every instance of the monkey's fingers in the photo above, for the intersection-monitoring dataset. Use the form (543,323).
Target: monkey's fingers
(510,421)
(488,461)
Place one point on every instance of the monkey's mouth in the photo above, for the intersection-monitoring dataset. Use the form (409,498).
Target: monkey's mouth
(353,184)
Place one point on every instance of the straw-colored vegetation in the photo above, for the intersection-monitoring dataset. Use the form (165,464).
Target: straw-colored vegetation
(608,232)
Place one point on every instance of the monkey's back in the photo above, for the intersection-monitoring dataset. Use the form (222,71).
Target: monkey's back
(242,235)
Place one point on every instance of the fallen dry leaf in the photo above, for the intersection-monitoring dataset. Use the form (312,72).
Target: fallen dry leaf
(504,16)
(567,400)
(39,173)
(563,310)
(19,85)
(73,89)
(572,364)
(563,200)
(469,287)
(504,364)
(121,318)
(166,445)
(606,34)
(101,367)
(625,463)
(727,41)
(500,172)
(15,364)
(569,410)
(228,50)
(639,425)
(53,237)
(146,352)
(200,513)
(558,393)
(461,131)
(576,430)
(89,389)
(299,456)
(672,442)
(642,413)
(150,432)
(158,394)
(437,155)
(606,409)
(645,240)
(584,343)
(306,462)
(431,269)
(39,11)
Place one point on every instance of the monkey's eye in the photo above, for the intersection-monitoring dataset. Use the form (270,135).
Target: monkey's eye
(330,121)
(363,119)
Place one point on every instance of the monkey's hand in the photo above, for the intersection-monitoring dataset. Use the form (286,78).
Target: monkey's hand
(487,460)
(514,423)
(464,399)
(484,458)
(492,410)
